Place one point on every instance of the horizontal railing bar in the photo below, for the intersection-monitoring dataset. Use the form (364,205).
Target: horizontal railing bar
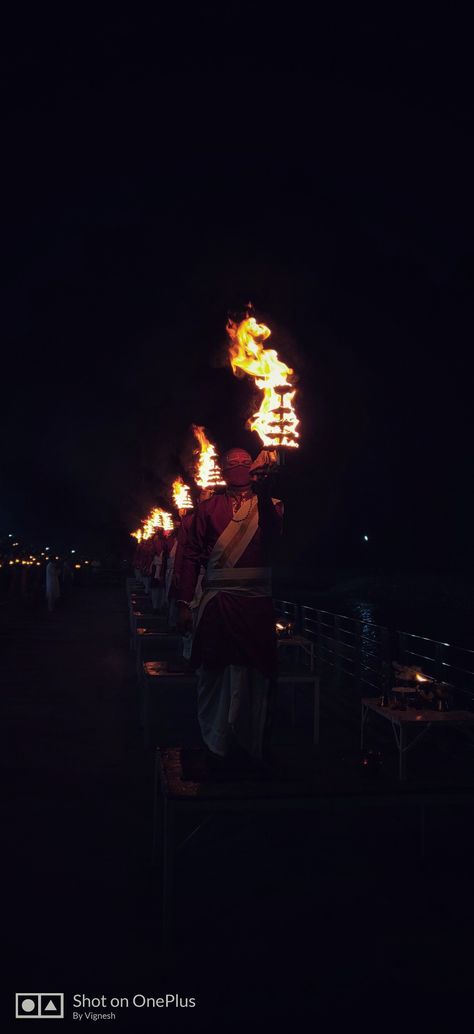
(437,642)
(367,667)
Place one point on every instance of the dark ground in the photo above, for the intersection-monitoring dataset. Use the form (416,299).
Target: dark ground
(294,917)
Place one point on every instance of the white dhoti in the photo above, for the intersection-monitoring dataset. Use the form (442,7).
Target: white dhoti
(233,698)
(157,596)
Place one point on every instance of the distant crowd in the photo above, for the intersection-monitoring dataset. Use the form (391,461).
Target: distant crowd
(44,579)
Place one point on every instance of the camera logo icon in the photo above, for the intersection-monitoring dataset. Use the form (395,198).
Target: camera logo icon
(39,1006)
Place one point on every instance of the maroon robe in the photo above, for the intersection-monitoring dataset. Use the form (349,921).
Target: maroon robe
(233,629)
(157,548)
(182,540)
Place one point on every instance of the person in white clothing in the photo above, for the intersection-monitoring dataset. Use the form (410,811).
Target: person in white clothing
(52,585)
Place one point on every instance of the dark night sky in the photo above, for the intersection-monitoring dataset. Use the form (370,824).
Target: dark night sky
(158,173)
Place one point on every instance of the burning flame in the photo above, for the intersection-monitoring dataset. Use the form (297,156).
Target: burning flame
(208,473)
(276,421)
(182,495)
(158,518)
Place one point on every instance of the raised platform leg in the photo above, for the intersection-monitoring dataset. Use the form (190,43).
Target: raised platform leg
(293,703)
(364,714)
(145,696)
(167,873)
(156,805)
(422,832)
(139,659)
(316,712)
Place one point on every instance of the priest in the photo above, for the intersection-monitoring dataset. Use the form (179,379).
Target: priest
(232,536)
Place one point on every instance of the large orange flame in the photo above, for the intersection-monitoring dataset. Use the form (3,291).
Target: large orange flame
(161,519)
(158,518)
(208,474)
(276,421)
(182,495)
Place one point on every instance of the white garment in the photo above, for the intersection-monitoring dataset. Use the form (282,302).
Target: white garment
(157,596)
(236,697)
(170,569)
(52,582)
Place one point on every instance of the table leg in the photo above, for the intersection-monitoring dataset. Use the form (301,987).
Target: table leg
(316,712)
(293,703)
(364,714)
(402,747)
(422,832)
(145,693)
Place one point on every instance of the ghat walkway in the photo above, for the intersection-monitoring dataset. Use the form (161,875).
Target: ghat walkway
(273,915)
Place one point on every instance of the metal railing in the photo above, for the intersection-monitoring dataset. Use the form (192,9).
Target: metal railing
(453,665)
(354,649)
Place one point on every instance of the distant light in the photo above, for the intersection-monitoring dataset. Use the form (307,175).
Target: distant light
(73,550)
(77,566)
(366,538)
(10,536)
(46,547)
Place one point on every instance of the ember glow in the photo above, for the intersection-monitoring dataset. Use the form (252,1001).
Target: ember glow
(276,421)
(182,495)
(208,474)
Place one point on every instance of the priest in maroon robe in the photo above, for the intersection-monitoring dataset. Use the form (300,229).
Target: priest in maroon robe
(232,536)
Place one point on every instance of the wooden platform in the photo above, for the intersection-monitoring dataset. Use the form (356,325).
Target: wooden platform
(185,793)
(168,703)
(152,645)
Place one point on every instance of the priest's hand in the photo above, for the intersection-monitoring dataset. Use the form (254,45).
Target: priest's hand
(185,619)
(265,463)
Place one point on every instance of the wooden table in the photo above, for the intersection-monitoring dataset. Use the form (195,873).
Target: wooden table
(414,720)
(303,647)
(302,676)
(162,643)
(169,704)
(150,622)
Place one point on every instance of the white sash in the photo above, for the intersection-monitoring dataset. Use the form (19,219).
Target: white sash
(221,574)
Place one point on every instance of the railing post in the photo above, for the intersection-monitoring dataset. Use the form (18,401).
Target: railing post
(358,657)
(337,649)
(439,661)
(319,641)
(401,647)
(386,640)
